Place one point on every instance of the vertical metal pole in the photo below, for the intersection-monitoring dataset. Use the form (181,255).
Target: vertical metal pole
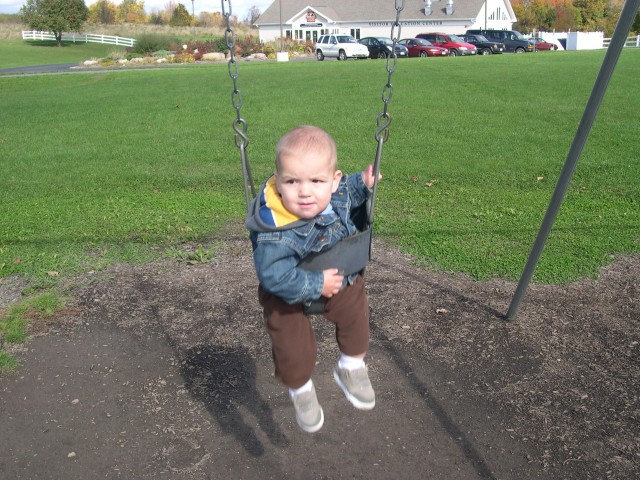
(281,39)
(193,19)
(602,81)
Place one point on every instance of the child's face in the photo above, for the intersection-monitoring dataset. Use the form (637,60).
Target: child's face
(306,182)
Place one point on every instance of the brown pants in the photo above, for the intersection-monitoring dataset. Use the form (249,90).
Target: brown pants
(293,340)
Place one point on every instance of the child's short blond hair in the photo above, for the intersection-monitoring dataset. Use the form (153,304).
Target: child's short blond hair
(306,138)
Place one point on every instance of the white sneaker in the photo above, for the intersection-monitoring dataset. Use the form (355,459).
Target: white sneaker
(309,413)
(356,386)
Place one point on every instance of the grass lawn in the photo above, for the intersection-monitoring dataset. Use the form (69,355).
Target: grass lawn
(21,53)
(125,166)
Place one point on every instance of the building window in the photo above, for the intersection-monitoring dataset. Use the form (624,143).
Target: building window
(315,36)
(355,32)
(307,35)
(288,34)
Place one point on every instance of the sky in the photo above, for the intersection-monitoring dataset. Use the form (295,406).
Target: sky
(238,7)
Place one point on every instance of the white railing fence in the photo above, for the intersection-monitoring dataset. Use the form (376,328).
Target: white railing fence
(631,42)
(79,37)
(583,40)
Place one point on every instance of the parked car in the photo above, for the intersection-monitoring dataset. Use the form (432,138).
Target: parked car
(340,47)
(542,44)
(484,46)
(419,47)
(513,40)
(453,43)
(380,47)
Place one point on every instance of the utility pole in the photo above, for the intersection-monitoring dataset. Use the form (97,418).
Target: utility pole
(193,20)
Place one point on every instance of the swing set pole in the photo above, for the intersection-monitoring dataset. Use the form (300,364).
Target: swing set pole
(602,81)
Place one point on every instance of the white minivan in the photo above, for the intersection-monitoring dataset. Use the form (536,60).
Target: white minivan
(340,47)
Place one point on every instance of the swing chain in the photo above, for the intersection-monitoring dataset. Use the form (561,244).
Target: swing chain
(239,124)
(384,118)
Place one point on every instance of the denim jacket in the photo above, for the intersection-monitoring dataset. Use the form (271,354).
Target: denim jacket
(278,250)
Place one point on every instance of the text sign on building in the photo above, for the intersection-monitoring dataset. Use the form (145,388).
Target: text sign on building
(311,25)
(423,23)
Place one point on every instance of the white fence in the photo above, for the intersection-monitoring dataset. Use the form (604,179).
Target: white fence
(583,40)
(631,42)
(79,37)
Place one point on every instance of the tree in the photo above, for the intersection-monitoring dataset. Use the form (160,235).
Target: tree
(211,19)
(156,18)
(252,15)
(180,17)
(131,11)
(592,13)
(567,17)
(103,11)
(56,16)
(636,24)
(544,14)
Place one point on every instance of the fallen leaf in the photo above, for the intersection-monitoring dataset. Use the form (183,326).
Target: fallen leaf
(414,179)
(71,455)
(540,178)
(442,311)
(17,261)
(52,274)
(428,184)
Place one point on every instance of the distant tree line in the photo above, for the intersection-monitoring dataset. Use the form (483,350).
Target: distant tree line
(569,15)
(174,14)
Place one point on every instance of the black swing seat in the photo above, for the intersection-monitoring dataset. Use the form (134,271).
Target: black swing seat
(350,255)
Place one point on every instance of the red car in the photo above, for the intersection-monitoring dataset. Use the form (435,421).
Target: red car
(455,44)
(541,44)
(419,47)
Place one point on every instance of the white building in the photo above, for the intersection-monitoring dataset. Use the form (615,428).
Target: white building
(308,19)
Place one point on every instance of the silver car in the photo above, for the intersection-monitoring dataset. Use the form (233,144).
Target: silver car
(340,47)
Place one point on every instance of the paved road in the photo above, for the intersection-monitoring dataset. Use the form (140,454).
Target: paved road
(67,67)
(39,69)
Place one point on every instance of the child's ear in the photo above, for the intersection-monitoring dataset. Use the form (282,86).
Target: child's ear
(336,180)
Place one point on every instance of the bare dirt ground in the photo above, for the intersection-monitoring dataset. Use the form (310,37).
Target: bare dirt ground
(164,371)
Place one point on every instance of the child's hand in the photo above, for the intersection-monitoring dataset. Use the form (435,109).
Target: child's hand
(367,176)
(332,282)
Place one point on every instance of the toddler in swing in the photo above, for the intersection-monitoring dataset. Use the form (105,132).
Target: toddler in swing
(304,208)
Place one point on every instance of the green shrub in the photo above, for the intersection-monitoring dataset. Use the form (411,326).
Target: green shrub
(163,53)
(219,44)
(152,42)
(129,56)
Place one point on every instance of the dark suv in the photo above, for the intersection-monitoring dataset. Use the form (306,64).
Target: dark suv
(513,40)
(484,46)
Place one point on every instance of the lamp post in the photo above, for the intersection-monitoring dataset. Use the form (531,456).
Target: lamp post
(281,40)
(193,20)
(281,56)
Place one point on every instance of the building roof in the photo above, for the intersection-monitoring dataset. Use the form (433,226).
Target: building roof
(368,10)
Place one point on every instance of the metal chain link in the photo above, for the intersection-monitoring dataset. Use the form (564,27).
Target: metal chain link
(384,118)
(239,124)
